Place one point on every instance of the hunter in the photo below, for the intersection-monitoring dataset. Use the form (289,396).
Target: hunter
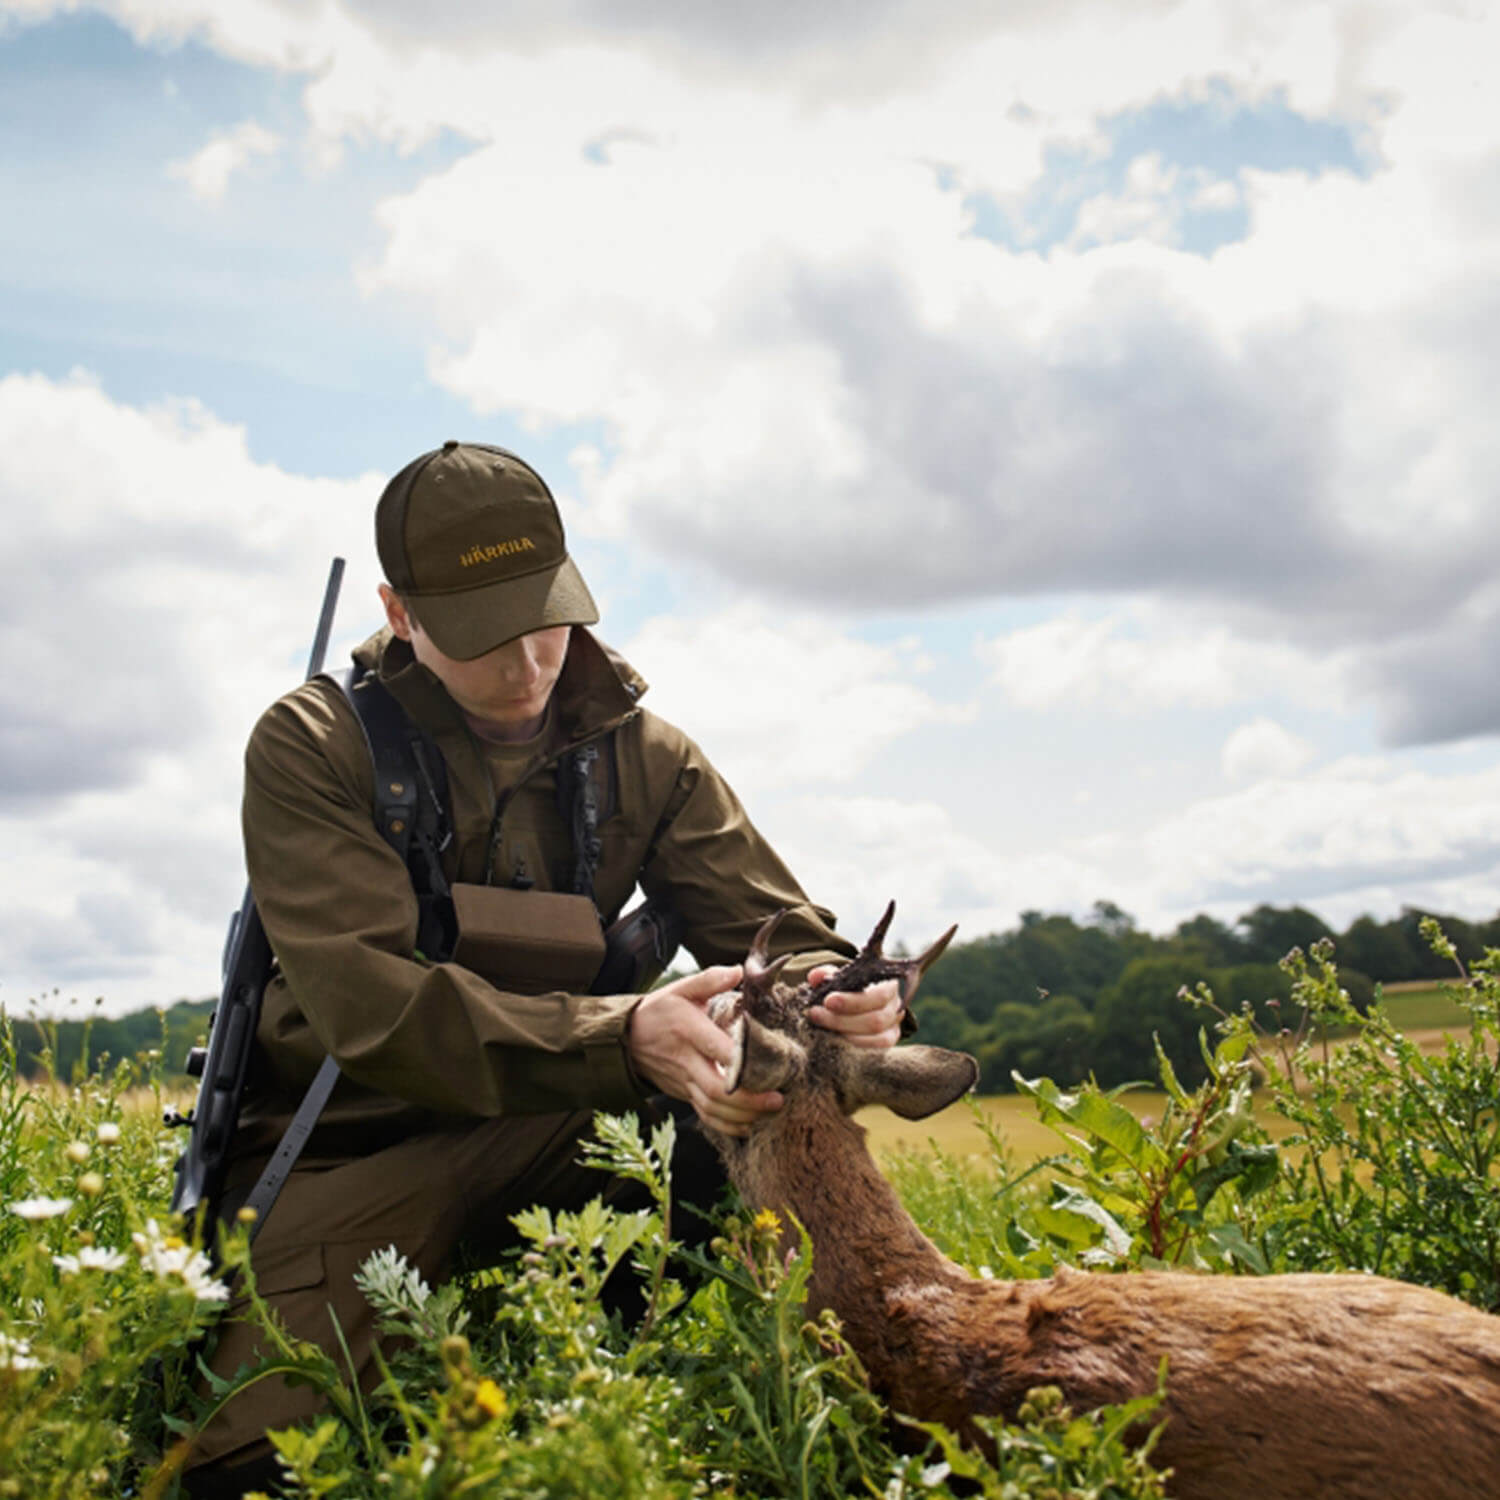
(472,1049)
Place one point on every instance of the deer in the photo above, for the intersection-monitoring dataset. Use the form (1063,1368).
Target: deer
(1281,1387)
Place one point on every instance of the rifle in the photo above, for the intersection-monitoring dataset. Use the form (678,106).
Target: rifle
(222,1064)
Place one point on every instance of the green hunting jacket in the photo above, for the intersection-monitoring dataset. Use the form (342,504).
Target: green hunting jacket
(421,1044)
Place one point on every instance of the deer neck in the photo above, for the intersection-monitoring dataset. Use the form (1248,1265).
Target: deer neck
(811,1161)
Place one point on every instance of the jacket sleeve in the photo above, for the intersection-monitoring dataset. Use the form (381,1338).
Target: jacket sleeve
(341,916)
(709,861)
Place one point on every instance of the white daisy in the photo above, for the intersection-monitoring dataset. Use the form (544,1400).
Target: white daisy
(89,1258)
(169,1258)
(15,1354)
(41,1208)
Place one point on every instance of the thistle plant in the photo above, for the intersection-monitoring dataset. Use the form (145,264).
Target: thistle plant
(1395,1164)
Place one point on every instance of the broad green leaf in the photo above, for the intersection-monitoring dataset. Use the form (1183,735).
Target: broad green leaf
(1075,1217)
(1096,1116)
(1231,1241)
(1232,1048)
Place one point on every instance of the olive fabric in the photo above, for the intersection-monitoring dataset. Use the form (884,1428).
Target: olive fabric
(459,1103)
(470,537)
(445,1201)
(424,1044)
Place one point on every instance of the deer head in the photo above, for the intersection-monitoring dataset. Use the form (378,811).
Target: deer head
(777,1047)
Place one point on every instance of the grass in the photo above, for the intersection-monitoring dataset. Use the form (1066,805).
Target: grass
(953,1132)
(1422,1006)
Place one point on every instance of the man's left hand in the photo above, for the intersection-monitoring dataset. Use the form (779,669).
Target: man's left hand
(864,1018)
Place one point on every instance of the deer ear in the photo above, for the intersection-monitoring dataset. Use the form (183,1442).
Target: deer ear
(913,1081)
(763,1059)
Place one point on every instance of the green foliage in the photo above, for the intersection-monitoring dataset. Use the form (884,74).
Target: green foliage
(1053,1454)
(1141,1014)
(1069,999)
(519,1380)
(1399,1171)
(72,1049)
(95,1294)
(1173,1194)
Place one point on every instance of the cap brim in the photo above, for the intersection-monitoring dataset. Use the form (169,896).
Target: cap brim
(468,623)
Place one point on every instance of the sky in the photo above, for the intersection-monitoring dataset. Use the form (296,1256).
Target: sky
(1043,453)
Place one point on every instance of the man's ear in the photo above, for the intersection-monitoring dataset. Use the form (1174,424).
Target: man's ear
(397,616)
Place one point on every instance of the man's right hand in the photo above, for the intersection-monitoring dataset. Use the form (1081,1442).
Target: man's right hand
(675,1046)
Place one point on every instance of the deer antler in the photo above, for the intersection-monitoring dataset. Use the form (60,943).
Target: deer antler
(871,965)
(760,969)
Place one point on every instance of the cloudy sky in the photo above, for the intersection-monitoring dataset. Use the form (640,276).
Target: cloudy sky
(1043,452)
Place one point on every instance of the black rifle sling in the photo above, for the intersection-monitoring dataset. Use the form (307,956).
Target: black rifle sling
(411,804)
(411,813)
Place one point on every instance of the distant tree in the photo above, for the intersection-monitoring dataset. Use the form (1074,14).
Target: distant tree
(1112,920)
(1271,932)
(978,976)
(1265,988)
(1212,939)
(1043,949)
(79,1048)
(1380,949)
(1144,1002)
(941,1023)
(1428,964)
(1055,1040)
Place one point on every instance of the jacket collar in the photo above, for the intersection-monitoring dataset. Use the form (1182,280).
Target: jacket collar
(597,691)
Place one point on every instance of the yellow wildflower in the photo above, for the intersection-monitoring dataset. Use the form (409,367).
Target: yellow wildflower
(490,1399)
(766,1222)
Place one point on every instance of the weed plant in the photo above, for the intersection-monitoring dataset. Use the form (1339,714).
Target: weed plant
(521,1381)
(1395,1166)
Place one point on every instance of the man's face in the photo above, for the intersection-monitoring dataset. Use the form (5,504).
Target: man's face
(508,688)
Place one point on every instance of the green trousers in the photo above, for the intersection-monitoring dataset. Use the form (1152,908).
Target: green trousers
(432,1197)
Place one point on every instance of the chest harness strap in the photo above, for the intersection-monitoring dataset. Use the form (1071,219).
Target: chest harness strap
(412,815)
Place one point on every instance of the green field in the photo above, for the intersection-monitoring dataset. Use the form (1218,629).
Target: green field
(1420,1006)
(955,1133)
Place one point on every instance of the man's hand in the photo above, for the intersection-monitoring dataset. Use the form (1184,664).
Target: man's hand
(674,1045)
(864,1018)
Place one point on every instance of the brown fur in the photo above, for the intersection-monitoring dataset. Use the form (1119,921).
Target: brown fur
(1346,1386)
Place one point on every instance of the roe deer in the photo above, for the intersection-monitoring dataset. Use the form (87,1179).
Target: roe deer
(1285,1387)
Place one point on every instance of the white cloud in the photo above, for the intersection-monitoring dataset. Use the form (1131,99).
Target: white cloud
(208,170)
(1142,660)
(784,700)
(1143,211)
(170,590)
(1263,750)
(860,852)
(1336,836)
(1356,836)
(776,314)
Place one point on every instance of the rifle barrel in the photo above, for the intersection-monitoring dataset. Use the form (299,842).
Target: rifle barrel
(325,619)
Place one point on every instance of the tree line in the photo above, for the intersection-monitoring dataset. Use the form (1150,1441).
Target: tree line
(1052,996)
(1065,999)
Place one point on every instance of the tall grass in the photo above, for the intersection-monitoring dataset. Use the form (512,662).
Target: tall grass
(516,1381)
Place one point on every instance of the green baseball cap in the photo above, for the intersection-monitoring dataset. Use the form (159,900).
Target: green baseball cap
(470,536)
